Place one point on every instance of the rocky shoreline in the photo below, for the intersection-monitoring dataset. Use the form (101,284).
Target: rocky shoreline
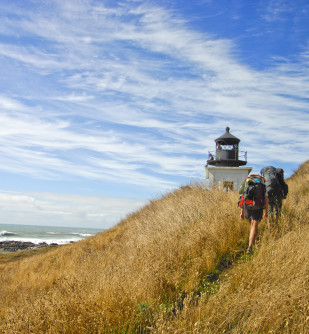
(15,246)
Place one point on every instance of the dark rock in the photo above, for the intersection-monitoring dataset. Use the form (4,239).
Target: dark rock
(14,246)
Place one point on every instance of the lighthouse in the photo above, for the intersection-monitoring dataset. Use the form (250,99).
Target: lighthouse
(226,167)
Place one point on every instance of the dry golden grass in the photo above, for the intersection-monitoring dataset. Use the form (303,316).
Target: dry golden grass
(150,273)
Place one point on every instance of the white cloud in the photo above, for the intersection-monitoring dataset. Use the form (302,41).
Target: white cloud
(65,209)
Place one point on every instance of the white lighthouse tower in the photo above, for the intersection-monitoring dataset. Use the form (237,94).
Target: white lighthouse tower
(223,168)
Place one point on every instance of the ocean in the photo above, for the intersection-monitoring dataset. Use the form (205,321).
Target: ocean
(48,234)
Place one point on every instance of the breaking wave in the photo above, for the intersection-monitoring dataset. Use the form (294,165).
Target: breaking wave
(6,233)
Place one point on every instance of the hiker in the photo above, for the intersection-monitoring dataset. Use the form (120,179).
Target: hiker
(276,190)
(252,202)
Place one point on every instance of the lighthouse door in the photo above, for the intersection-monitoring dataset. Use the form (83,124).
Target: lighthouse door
(228,185)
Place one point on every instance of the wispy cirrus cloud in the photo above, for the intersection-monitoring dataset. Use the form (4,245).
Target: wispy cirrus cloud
(131,93)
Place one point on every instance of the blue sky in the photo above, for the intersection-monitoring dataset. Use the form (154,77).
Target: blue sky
(105,105)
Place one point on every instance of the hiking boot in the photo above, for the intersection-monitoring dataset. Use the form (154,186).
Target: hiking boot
(249,251)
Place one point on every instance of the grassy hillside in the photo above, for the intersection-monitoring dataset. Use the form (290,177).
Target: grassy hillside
(177,265)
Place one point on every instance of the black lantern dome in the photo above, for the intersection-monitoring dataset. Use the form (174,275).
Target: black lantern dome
(227,151)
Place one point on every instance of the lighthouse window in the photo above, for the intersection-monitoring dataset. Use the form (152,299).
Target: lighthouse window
(227,147)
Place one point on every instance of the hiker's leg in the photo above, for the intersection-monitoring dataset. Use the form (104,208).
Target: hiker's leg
(253,232)
(278,208)
(271,209)
(255,218)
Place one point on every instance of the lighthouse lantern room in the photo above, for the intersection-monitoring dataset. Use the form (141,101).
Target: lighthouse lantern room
(224,168)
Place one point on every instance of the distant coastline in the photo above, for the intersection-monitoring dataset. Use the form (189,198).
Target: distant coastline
(21,237)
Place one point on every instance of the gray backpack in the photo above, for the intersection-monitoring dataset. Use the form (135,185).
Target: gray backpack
(272,183)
